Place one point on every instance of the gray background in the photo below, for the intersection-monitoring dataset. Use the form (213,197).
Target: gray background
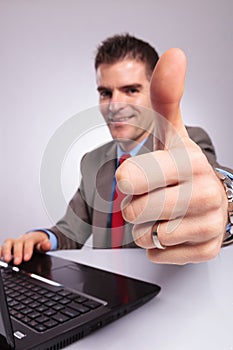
(47,76)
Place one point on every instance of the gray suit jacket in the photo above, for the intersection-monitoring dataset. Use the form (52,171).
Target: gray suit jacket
(88,210)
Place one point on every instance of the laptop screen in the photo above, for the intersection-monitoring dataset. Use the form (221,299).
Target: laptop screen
(6,333)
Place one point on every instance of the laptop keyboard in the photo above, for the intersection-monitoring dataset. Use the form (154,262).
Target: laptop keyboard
(39,307)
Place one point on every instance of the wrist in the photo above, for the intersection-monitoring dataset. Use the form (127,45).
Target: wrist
(228,186)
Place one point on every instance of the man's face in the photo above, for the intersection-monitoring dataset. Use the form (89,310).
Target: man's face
(124,100)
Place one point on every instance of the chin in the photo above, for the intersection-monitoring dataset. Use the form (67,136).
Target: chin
(122,135)
(122,138)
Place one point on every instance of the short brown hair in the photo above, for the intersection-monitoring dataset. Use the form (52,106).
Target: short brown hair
(119,47)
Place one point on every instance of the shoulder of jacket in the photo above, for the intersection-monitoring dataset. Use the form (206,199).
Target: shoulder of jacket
(97,153)
(196,132)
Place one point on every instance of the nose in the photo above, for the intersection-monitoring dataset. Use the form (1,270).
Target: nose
(117,102)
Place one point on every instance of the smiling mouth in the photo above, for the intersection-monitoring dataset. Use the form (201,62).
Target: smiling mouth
(120,119)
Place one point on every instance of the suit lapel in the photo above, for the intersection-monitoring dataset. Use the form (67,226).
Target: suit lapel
(104,179)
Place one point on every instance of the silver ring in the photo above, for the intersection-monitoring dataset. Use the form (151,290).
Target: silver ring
(156,239)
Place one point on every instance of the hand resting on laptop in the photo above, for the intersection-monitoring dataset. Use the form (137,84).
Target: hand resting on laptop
(22,247)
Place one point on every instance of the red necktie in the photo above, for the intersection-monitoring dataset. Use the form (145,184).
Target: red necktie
(117,219)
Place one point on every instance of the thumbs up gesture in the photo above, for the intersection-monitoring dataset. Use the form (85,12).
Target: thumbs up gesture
(173,193)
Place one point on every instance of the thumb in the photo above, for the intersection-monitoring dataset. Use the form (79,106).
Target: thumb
(44,246)
(167,87)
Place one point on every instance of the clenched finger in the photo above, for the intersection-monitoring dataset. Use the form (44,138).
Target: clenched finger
(186,253)
(176,232)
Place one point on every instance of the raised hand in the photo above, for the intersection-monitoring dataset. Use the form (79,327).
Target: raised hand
(175,190)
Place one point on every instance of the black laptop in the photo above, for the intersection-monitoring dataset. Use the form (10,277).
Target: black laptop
(49,303)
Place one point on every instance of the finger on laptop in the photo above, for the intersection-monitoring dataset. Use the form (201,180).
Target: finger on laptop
(22,247)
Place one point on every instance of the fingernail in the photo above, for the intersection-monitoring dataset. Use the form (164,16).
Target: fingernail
(6,257)
(16,260)
(125,186)
(26,256)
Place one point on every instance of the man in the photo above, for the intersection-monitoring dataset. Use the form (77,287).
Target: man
(174,199)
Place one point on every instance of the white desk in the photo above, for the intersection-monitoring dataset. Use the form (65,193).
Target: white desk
(194,310)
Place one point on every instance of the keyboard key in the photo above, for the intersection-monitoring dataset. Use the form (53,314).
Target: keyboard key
(19,315)
(32,323)
(42,319)
(81,299)
(58,307)
(27,311)
(19,307)
(34,304)
(41,308)
(48,295)
(26,319)
(56,297)
(50,312)
(34,314)
(64,301)
(79,307)
(92,304)
(60,317)
(40,328)
(70,312)
(50,303)
(51,323)
(65,293)
(13,303)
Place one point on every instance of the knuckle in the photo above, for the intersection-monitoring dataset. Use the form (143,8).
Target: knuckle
(151,255)
(138,210)
(212,227)
(20,240)
(209,251)
(216,197)
(129,213)
(141,239)
(132,211)
(209,196)
(8,242)
(140,242)
(142,235)
(199,161)
(218,224)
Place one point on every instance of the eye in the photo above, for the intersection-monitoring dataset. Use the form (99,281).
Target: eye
(131,90)
(105,94)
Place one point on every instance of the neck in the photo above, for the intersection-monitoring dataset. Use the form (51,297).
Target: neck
(128,146)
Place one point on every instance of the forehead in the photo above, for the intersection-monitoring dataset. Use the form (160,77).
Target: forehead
(125,72)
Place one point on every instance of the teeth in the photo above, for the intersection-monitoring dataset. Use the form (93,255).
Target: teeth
(123,119)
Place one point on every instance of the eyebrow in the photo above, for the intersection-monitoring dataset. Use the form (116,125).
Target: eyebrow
(133,85)
(101,88)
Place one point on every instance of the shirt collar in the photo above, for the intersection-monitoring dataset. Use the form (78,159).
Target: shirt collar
(132,153)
